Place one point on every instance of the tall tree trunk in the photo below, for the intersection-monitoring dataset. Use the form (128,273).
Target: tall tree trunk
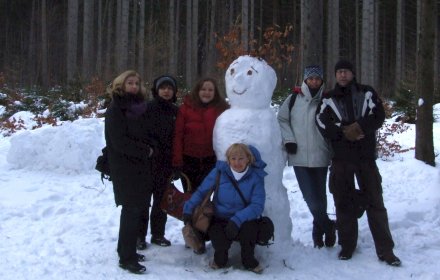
(195,39)
(72,40)
(31,55)
(87,41)
(425,83)
(311,32)
(245,25)
(332,41)
(210,65)
(400,42)
(122,37)
(132,40)
(149,61)
(44,47)
(98,67)
(189,44)
(109,45)
(141,39)
(368,43)
(172,38)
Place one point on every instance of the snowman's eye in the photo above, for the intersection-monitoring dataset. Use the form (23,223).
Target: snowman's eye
(249,72)
(232,71)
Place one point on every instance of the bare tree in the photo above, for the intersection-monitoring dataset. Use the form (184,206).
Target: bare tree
(189,43)
(425,83)
(172,38)
(141,39)
(72,39)
(369,43)
(311,32)
(332,41)
(195,39)
(245,25)
(87,41)
(400,39)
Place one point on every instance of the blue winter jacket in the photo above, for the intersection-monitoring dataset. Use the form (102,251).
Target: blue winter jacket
(227,201)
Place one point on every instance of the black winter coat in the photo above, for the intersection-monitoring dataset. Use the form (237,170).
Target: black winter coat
(162,117)
(344,106)
(129,145)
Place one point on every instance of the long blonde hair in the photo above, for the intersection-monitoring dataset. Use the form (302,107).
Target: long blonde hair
(117,86)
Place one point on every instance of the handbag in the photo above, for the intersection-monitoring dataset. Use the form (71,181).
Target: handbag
(103,165)
(202,215)
(266,227)
(173,199)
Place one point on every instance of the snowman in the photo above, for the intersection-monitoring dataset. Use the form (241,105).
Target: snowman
(250,82)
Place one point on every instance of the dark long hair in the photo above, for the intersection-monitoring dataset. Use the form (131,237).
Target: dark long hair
(219,101)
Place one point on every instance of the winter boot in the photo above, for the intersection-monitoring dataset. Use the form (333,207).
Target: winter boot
(330,235)
(317,235)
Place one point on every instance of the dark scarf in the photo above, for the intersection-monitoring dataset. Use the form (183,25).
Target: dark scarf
(133,106)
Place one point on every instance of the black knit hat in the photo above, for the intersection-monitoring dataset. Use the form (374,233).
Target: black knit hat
(162,80)
(344,64)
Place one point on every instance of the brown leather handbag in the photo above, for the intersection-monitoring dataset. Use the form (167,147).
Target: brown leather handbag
(173,199)
(202,215)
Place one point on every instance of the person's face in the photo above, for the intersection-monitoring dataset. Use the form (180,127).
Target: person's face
(344,77)
(314,82)
(238,162)
(131,85)
(166,91)
(207,92)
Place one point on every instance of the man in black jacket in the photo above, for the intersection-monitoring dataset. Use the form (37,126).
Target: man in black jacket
(349,116)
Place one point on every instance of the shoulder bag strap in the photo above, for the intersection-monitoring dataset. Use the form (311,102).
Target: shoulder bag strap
(214,189)
(234,183)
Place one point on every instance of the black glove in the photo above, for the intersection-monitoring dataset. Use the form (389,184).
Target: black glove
(291,148)
(176,174)
(231,230)
(187,219)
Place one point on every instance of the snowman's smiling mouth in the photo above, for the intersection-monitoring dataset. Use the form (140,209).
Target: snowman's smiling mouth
(239,92)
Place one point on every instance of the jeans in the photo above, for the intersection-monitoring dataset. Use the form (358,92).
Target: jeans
(312,183)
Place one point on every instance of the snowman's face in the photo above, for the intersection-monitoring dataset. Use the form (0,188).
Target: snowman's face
(250,83)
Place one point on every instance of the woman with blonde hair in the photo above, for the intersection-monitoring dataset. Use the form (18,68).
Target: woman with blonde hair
(239,202)
(129,153)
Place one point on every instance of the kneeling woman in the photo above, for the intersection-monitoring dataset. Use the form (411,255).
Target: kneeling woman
(239,202)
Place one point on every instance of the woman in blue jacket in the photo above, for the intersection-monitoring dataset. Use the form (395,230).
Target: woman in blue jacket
(234,218)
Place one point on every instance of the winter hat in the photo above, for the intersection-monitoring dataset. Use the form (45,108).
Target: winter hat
(313,71)
(165,80)
(344,64)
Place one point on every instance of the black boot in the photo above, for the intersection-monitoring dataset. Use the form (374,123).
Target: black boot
(317,235)
(330,235)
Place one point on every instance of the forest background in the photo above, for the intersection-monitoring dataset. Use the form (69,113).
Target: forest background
(58,56)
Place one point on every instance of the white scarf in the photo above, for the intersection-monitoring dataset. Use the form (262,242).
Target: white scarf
(239,175)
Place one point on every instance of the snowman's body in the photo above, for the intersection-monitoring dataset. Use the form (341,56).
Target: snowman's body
(249,86)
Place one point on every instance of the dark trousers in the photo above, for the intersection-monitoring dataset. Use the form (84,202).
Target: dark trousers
(128,232)
(157,218)
(247,237)
(342,186)
(196,169)
(312,183)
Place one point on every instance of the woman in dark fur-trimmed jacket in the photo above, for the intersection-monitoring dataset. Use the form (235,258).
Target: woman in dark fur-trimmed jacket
(129,153)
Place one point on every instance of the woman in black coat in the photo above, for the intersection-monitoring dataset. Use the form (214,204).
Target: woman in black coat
(129,152)
(161,113)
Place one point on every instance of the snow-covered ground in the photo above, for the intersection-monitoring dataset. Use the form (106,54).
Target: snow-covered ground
(58,221)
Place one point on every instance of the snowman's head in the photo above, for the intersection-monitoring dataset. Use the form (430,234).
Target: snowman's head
(250,83)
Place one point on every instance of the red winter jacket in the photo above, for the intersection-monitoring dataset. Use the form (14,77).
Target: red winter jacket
(193,131)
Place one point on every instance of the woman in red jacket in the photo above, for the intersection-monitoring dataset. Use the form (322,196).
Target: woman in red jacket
(193,152)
